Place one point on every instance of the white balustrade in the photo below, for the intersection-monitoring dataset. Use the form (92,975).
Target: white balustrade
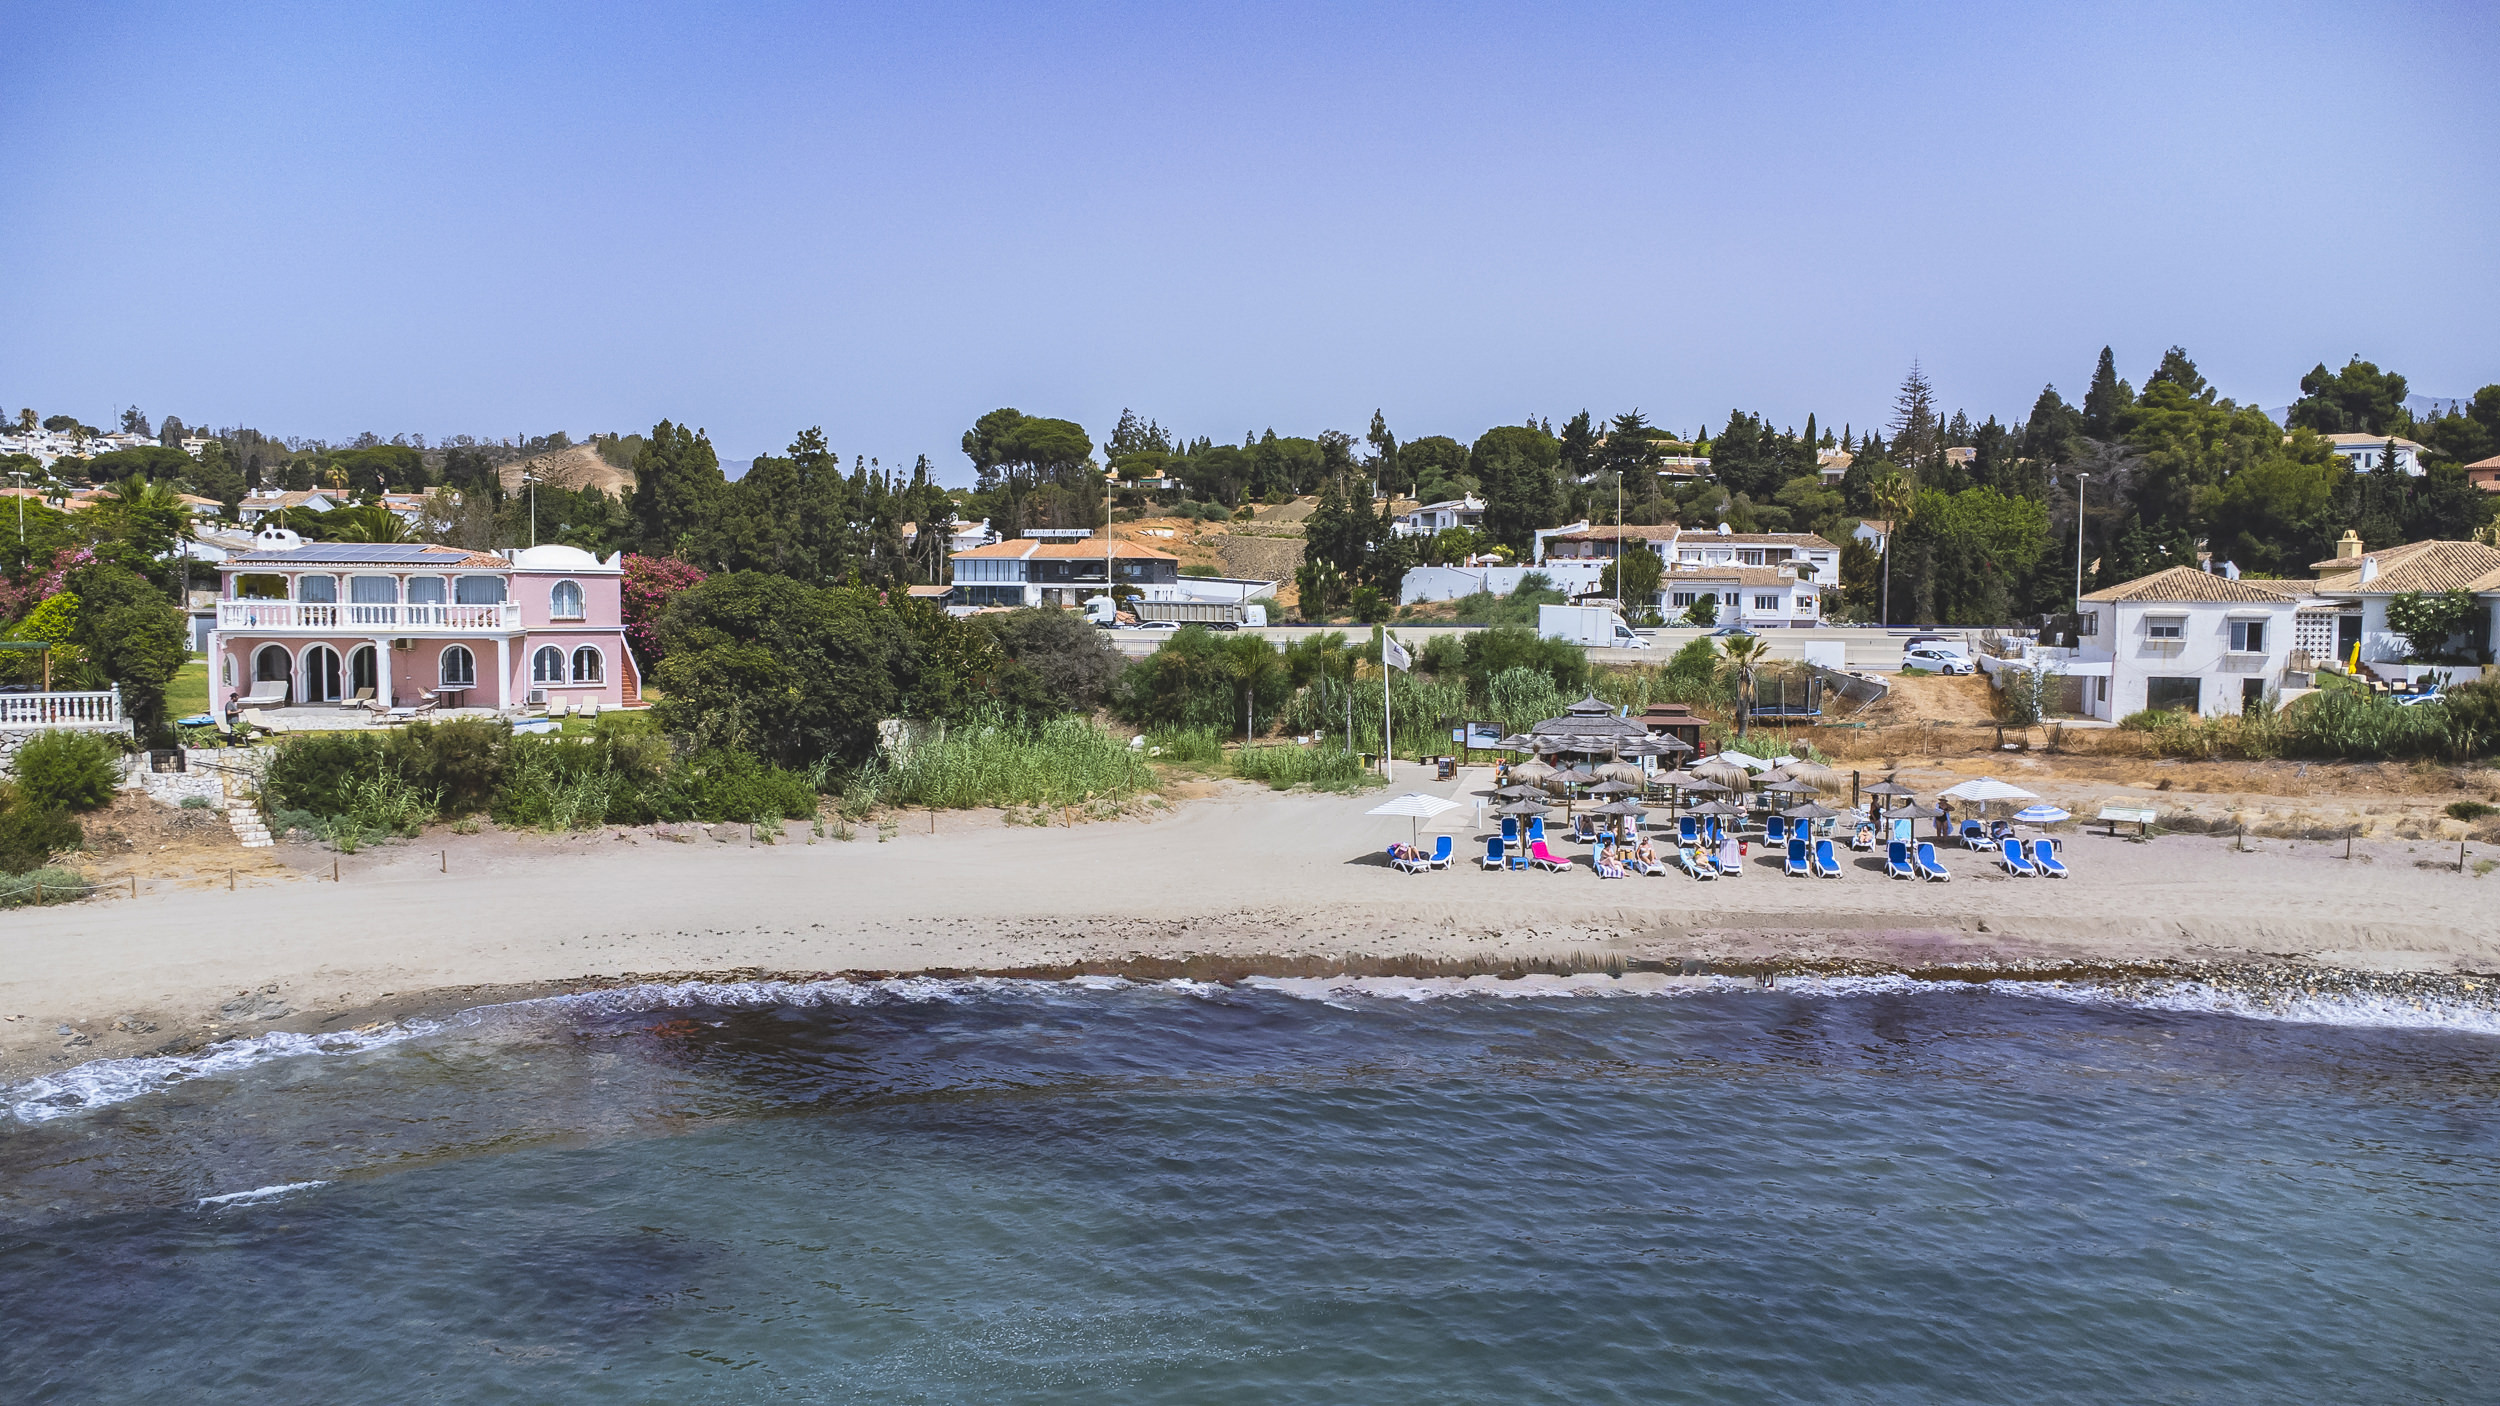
(58,709)
(271,615)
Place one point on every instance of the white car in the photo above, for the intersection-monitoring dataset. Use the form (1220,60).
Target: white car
(1936,660)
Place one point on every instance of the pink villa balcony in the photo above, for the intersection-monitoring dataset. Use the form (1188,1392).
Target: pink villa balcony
(265,616)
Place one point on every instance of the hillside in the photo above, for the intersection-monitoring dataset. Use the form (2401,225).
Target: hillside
(577,468)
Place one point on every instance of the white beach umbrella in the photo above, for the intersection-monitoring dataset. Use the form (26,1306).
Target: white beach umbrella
(1415,806)
(1987,789)
(2042,814)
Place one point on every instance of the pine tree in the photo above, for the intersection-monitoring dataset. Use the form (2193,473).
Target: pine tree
(2102,403)
(1914,422)
(677,481)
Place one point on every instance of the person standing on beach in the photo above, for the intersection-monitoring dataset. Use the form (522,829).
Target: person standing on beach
(1944,819)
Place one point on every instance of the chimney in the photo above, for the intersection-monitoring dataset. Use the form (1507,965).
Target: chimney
(2369,569)
(2348,546)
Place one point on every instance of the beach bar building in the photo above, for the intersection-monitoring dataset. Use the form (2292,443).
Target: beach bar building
(303,624)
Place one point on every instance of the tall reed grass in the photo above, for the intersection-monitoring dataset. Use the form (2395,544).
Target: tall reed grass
(1285,765)
(2335,724)
(1064,760)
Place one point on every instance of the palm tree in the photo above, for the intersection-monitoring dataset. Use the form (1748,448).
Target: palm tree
(370,523)
(1894,493)
(1744,654)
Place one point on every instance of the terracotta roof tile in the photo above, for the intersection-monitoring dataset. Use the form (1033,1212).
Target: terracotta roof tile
(2431,566)
(2186,584)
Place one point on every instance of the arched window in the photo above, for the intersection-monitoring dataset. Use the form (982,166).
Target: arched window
(547,665)
(459,667)
(588,667)
(565,601)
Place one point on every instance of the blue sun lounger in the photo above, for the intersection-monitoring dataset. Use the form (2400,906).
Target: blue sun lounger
(1975,836)
(1693,862)
(1493,856)
(2010,855)
(2044,854)
(1686,833)
(1929,867)
(1775,830)
(1897,861)
(1797,867)
(1510,830)
(1826,863)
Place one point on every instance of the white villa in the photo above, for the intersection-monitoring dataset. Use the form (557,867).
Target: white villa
(2215,643)
(1756,597)
(2364,451)
(1434,518)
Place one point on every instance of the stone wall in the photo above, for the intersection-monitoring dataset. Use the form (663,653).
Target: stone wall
(12,738)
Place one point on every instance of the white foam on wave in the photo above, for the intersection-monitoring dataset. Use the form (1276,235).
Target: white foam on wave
(259,1194)
(1534,986)
(2360,1010)
(2460,1014)
(103,1082)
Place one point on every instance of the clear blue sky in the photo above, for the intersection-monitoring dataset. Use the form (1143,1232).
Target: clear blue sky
(501,219)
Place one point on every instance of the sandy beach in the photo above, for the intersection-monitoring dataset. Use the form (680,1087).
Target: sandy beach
(1233,879)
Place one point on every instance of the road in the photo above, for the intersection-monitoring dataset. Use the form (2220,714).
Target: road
(1868,650)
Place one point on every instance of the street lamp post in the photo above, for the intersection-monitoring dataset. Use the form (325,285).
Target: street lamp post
(2080,476)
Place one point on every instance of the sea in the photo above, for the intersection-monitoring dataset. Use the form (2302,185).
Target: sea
(1601,1189)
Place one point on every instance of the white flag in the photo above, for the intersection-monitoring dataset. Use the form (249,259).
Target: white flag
(1395,656)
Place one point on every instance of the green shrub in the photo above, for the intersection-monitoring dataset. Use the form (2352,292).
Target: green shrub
(460,760)
(59,770)
(31,835)
(198,803)
(46,886)
(1286,765)
(2470,810)
(719,784)
(312,771)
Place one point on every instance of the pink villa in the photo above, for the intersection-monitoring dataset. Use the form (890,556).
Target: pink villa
(307,624)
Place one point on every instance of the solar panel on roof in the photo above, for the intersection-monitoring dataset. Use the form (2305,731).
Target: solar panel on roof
(358,552)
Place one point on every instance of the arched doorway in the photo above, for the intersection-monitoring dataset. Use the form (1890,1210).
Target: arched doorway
(273,665)
(320,683)
(364,675)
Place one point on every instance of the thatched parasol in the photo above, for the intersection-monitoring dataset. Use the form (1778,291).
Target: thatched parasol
(1812,810)
(1726,773)
(1610,787)
(1532,771)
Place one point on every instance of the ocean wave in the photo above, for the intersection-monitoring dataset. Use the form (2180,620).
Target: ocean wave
(103,1082)
(2359,1001)
(2322,998)
(258,1194)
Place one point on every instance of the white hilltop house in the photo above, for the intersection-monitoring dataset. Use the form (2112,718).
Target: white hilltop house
(2365,451)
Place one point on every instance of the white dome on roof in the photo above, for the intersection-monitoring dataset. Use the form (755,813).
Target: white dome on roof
(555,558)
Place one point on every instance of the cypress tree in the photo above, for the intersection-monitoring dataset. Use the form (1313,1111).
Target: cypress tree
(2102,403)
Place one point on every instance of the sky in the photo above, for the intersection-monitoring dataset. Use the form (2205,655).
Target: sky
(507,219)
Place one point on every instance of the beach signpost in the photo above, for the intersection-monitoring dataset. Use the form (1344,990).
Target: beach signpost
(1392,656)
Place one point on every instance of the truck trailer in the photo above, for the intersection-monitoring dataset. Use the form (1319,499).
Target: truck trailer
(1596,626)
